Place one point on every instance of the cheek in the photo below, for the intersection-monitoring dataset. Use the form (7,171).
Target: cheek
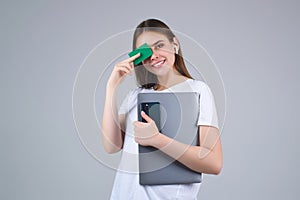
(168,54)
(146,61)
(165,52)
(171,59)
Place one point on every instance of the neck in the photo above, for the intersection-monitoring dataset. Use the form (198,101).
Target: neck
(170,80)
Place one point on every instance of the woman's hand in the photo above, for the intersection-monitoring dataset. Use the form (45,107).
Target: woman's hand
(120,71)
(145,133)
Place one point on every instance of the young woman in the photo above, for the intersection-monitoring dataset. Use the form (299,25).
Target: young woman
(164,71)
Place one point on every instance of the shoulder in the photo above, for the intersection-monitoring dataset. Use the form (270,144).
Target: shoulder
(136,91)
(199,86)
(129,101)
(197,82)
(133,93)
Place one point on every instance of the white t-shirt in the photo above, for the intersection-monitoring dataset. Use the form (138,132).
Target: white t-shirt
(126,184)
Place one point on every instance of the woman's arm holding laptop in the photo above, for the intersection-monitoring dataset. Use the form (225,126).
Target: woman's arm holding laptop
(206,158)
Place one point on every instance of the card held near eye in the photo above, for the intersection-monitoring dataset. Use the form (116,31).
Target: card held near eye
(145,51)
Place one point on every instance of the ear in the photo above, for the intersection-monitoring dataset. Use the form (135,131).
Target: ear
(176,44)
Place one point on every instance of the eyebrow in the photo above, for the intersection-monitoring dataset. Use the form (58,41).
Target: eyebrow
(156,42)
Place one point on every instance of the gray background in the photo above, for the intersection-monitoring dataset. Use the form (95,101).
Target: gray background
(255,44)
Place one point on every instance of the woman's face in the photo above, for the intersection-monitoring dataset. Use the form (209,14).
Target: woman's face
(163,58)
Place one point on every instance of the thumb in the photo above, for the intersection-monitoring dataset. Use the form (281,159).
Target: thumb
(146,117)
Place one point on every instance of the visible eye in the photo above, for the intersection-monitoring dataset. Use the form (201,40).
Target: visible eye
(159,46)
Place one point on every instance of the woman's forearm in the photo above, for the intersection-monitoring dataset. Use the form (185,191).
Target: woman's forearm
(112,138)
(197,158)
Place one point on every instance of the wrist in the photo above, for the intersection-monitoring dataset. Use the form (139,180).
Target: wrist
(158,140)
(110,88)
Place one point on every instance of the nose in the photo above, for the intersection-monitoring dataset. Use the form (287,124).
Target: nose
(154,54)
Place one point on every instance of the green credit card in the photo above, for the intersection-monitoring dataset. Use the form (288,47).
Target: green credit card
(145,51)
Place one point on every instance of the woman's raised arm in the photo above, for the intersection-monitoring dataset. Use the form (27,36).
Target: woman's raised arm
(113,126)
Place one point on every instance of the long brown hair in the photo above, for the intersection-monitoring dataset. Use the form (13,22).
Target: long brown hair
(145,78)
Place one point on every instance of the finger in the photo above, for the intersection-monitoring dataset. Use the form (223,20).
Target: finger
(124,65)
(139,124)
(133,57)
(136,124)
(146,117)
(131,66)
(124,68)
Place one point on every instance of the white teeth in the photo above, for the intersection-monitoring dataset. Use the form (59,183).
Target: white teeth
(159,63)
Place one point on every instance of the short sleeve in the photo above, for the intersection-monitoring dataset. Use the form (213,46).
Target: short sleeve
(208,114)
(129,102)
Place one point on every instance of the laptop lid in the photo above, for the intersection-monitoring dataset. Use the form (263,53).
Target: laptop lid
(176,115)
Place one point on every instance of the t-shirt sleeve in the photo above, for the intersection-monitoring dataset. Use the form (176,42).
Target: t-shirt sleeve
(208,114)
(129,102)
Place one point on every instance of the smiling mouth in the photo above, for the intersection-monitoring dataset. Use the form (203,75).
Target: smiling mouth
(158,64)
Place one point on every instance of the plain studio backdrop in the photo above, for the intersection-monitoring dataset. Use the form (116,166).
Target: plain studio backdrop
(255,45)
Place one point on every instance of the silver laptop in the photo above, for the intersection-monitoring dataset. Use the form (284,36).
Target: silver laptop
(176,115)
